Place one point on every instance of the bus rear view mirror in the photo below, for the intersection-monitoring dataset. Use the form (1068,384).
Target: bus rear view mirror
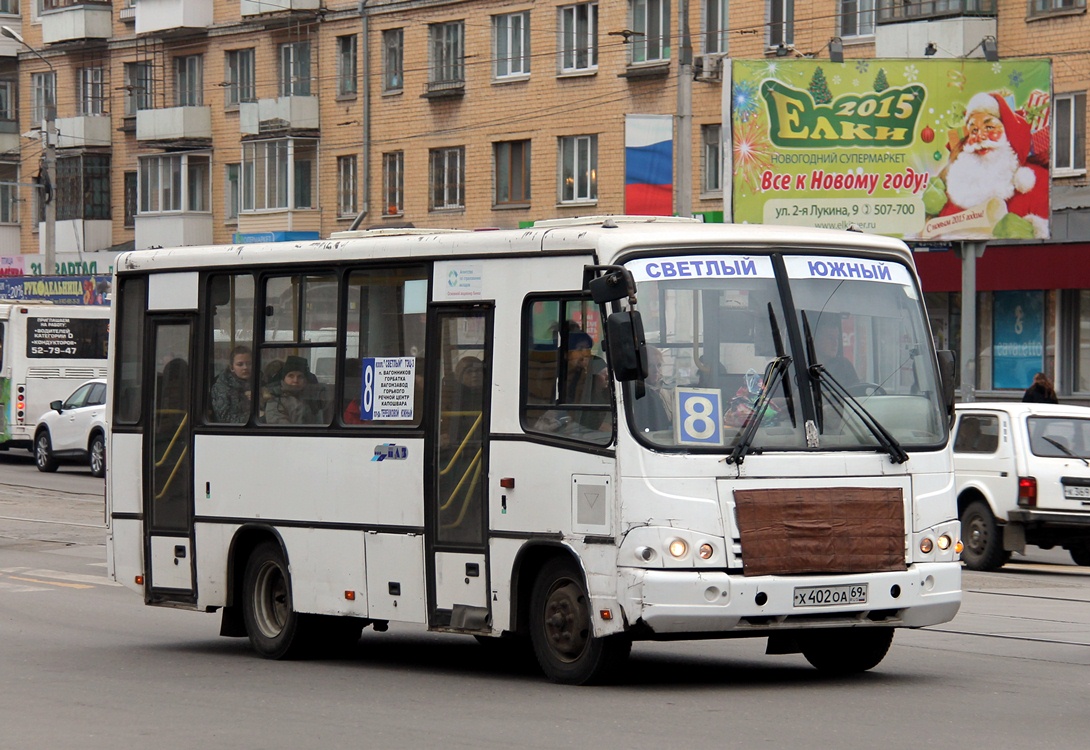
(616,283)
(948,372)
(627,348)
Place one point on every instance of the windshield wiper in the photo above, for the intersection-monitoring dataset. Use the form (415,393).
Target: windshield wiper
(1065,449)
(773,373)
(885,439)
(815,383)
(777,341)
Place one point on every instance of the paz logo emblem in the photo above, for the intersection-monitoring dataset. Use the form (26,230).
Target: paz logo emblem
(390,451)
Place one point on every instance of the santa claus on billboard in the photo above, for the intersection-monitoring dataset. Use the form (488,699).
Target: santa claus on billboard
(992,161)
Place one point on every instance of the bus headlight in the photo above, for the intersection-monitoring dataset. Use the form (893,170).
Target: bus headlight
(945,541)
(678,548)
(706,551)
(926,545)
(645,554)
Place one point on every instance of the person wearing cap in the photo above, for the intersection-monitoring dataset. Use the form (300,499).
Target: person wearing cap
(294,398)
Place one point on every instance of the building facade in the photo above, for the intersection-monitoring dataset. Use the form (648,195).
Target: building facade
(213,121)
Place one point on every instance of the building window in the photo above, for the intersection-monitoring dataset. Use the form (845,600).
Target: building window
(346,65)
(856,18)
(131,191)
(392,63)
(9,6)
(188,81)
(512,172)
(511,34)
(651,22)
(232,191)
(1050,7)
(578,168)
(279,174)
(1069,151)
(579,38)
(448,182)
(393,183)
(44,92)
(92,92)
(9,193)
(174,182)
(240,71)
(715,27)
(713,159)
(83,187)
(346,186)
(139,87)
(447,63)
(295,69)
(781,22)
(7,100)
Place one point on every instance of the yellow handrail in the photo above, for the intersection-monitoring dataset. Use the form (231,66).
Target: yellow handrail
(166,452)
(177,433)
(465,441)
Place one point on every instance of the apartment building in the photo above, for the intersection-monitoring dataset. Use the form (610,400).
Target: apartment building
(210,121)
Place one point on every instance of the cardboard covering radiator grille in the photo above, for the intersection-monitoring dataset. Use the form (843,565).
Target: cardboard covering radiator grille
(821,530)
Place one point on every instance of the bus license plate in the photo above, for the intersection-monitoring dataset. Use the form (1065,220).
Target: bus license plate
(827,596)
(1076,491)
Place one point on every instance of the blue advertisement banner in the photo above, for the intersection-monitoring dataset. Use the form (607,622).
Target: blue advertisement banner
(60,290)
(1018,323)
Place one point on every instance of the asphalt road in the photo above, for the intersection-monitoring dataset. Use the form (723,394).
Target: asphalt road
(87,665)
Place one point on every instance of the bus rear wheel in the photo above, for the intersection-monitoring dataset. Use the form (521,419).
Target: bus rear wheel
(561,630)
(275,629)
(843,651)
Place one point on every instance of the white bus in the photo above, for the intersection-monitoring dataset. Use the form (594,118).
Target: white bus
(574,436)
(45,352)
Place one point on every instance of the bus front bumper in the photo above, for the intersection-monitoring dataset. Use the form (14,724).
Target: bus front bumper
(677,602)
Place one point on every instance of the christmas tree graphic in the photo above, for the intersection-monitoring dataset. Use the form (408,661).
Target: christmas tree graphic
(880,82)
(819,88)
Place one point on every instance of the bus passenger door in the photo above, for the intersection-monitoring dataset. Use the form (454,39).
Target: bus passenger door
(168,471)
(457,512)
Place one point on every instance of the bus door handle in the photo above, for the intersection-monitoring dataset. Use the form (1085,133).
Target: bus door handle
(473,570)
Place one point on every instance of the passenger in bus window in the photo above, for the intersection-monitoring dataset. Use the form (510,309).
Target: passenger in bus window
(653,411)
(232,392)
(828,344)
(294,398)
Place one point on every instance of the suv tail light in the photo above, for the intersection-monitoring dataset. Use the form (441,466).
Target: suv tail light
(1027,492)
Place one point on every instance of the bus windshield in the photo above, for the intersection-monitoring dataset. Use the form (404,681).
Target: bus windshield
(842,358)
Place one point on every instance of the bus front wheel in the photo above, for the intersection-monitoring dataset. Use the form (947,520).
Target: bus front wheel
(843,651)
(273,626)
(561,630)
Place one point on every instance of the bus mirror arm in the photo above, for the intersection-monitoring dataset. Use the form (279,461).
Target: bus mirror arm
(947,370)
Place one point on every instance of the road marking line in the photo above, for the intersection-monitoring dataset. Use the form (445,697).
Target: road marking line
(53,583)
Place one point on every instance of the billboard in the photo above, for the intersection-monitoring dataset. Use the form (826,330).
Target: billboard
(921,149)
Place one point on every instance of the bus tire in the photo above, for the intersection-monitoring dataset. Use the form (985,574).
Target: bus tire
(983,538)
(844,651)
(275,629)
(43,452)
(561,630)
(1080,554)
(96,455)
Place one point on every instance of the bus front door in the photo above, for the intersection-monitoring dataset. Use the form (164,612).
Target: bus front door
(457,517)
(168,471)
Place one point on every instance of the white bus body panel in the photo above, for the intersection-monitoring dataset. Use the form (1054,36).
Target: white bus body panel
(124,466)
(453,584)
(395,578)
(125,552)
(329,562)
(174,291)
(170,561)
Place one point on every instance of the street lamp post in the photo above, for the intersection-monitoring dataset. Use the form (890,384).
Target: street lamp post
(49,261)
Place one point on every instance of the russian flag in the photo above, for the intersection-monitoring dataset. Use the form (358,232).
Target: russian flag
(649,165)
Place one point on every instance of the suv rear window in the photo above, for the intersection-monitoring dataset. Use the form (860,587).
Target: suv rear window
(1059,437)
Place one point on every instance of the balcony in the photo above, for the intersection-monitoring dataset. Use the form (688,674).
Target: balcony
(8,46)
(261,7)
(76,20)
(174,124)
(90,131)
(285,113)
(955,27)
(79,235)
(157,16)
(173,229)
(9,136)
(899,11)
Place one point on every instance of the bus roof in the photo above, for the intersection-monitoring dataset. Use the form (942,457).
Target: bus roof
(606,236)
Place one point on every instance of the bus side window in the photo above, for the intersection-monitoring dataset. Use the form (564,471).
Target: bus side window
(230,385)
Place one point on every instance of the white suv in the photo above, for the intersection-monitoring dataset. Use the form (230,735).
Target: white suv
(74,428)
(1023,477)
